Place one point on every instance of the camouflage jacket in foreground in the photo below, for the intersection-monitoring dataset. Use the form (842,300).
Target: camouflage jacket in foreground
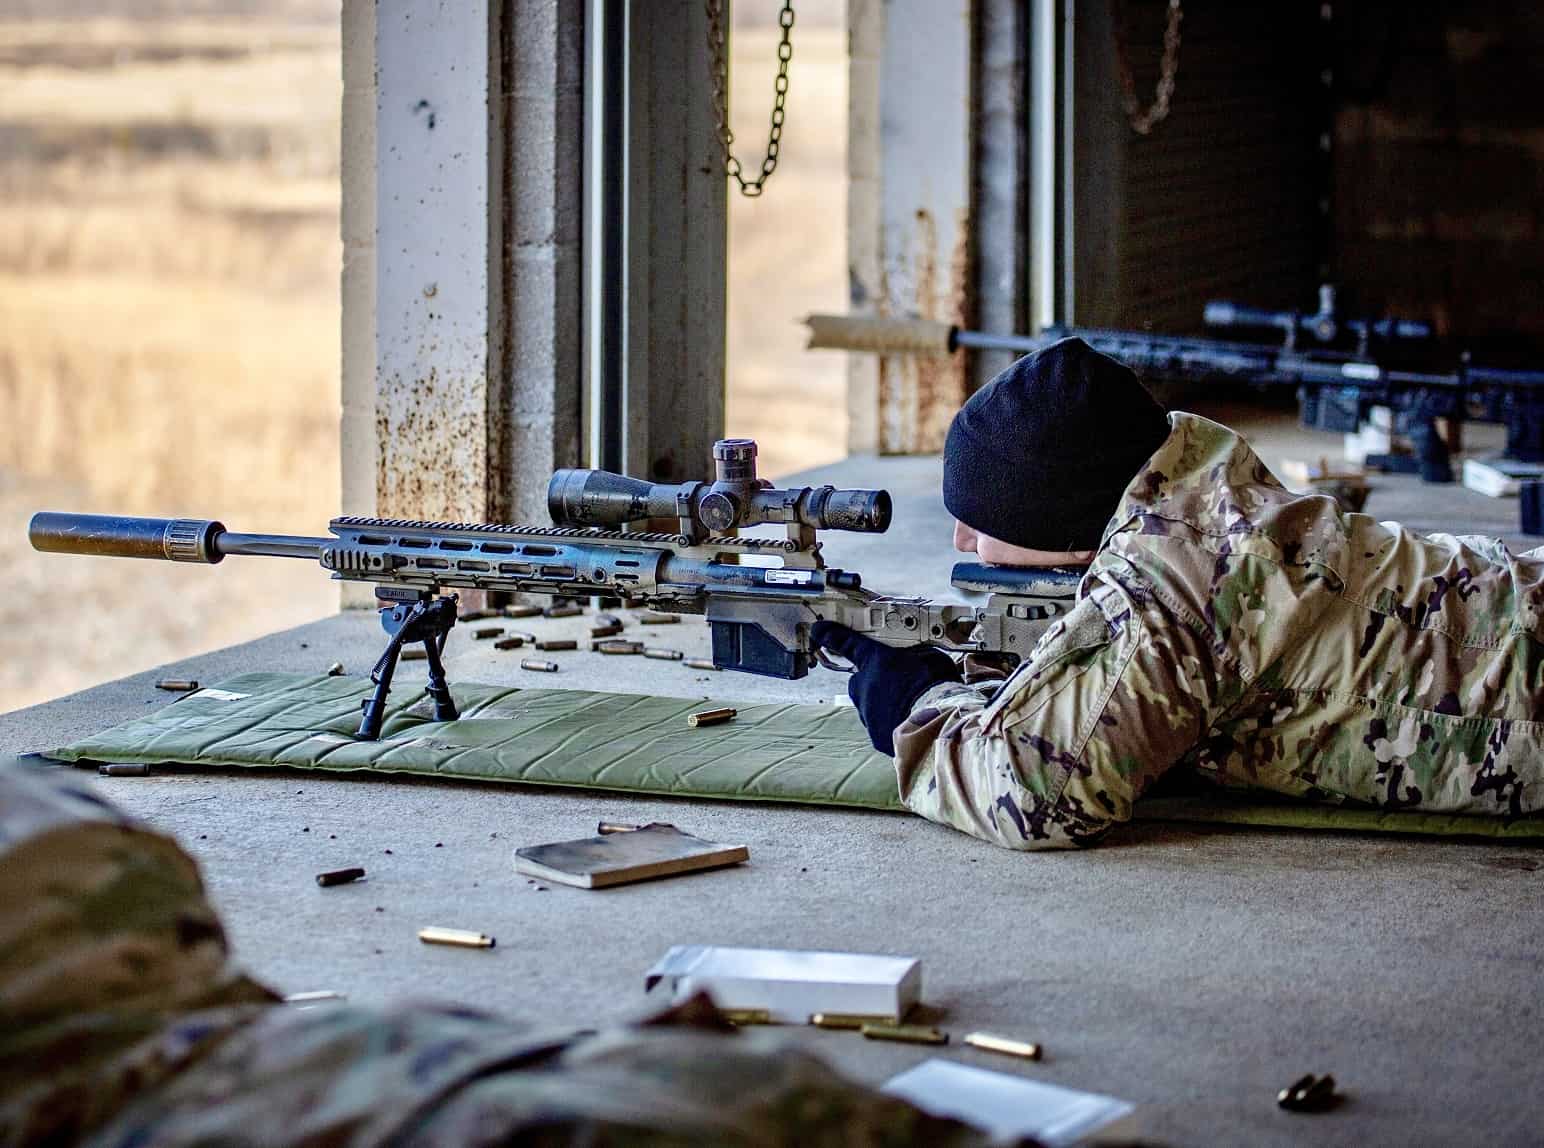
(1262,638)
(125,1024)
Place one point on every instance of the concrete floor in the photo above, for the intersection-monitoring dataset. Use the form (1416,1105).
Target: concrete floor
(1190,970)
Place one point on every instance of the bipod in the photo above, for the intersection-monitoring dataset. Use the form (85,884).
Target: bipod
(410,616)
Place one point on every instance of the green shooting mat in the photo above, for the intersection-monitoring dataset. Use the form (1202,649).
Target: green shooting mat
(813,754)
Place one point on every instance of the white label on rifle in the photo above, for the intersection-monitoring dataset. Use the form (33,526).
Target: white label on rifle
(1366,371)
(789,577)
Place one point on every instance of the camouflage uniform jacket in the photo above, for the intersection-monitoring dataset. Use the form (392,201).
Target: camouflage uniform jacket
(1262,638)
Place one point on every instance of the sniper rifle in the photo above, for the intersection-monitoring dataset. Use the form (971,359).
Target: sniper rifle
(760,596)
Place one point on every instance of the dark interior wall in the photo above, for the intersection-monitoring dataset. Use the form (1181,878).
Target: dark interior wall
(1222,198)
(1439,162)
(1434,185)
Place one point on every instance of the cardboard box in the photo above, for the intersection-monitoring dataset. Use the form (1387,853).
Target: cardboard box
(792,985)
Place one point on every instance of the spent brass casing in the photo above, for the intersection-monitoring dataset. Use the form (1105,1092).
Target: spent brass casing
(339,876)
(463,938)
(711,717)
(746,1015)
(476,615)
(701,664)
(606,828)
(522,611)
(487,632)
(908,1033)
(557,644)
(335,670)
(509,643)
(177,685)
(615,647)
(852,1021)
(605,631)
(538,665)
(1005,1045)
(414,654)
(658,619)
(123,769)
(564,610)
(663,655)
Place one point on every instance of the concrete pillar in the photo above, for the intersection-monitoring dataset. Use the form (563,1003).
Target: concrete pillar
(537,426)
(909,216)
(438,226)
(358,235)
(462,176)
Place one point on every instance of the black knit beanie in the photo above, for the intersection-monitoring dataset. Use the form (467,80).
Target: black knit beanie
(1040,456)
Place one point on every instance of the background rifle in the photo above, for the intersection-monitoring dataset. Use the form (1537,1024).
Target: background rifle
(760,596)
(1390,364)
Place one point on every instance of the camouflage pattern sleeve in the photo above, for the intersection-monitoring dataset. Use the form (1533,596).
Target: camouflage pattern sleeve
(114,969)
(1112,696)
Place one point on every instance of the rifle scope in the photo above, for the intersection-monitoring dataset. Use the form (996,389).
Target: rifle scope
(735,498)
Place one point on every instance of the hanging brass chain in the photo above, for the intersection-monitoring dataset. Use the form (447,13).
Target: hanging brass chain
(720,68)
(1143,122)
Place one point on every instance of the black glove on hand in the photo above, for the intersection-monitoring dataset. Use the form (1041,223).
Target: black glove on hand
(888,680)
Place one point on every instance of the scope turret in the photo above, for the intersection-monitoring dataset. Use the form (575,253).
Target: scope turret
(735,498)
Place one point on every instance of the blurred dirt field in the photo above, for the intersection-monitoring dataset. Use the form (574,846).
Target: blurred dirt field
(169,317)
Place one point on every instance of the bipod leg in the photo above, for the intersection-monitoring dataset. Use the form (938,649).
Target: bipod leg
(438,688)
(381,675)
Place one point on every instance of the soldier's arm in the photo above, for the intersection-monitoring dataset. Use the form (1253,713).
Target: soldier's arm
(1109,700)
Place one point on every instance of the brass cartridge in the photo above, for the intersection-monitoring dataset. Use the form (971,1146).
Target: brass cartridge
(711,717)
(851,1021)
(1008,1047)
(124,769)
(746,1015)
(463,938)
(614,646)
(339,877)
(907,1033)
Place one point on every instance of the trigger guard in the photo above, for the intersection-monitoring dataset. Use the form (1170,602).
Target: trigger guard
(831,663)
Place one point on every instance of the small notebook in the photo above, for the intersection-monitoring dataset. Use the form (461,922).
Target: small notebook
(616,858)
